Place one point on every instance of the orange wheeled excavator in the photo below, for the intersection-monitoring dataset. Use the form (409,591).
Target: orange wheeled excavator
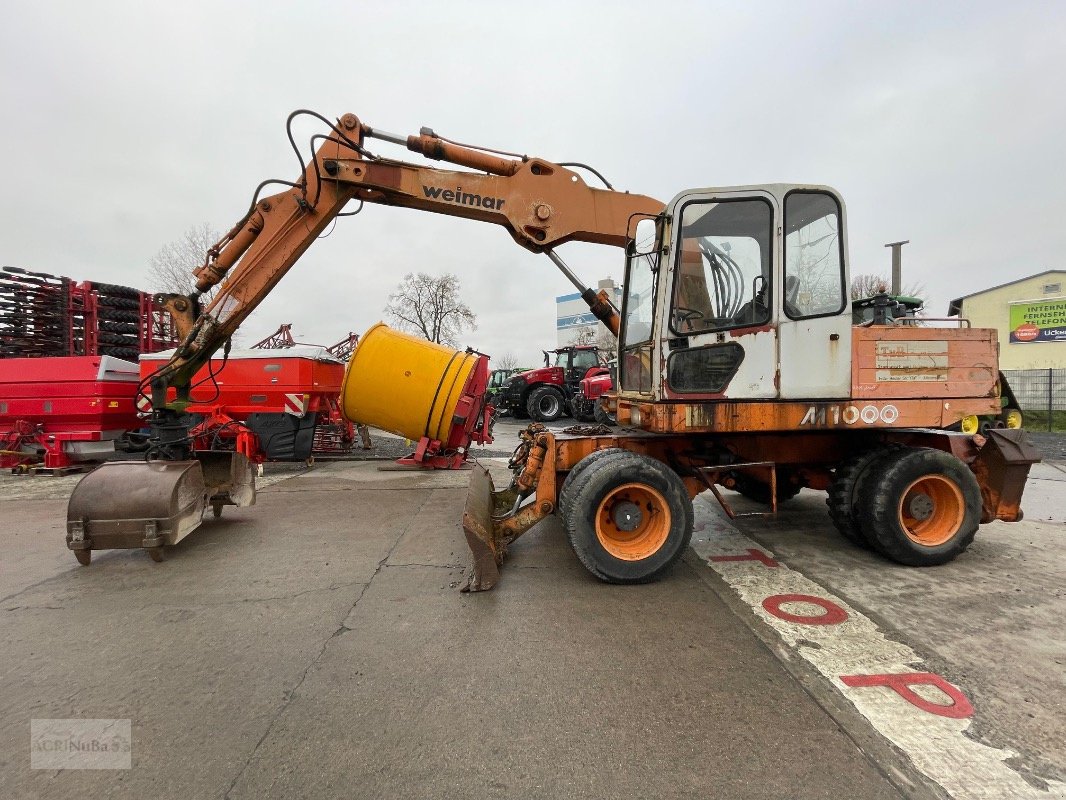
(739,366)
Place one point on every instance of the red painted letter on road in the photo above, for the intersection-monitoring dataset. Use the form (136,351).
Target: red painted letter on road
(832,614)
(960,707)
(753,555)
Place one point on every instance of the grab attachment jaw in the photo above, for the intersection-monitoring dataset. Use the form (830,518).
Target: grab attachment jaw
(493,520)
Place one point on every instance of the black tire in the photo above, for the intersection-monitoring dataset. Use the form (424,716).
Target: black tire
(519,413)
(601,417)
(116,291)
(629,489)
(125,353)
(566,493)
(759,491)
(843,494)
(116,339)
(115,315)
(545,404)
(120,302)
(924,507)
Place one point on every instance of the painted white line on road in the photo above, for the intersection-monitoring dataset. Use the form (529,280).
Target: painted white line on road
(920,712)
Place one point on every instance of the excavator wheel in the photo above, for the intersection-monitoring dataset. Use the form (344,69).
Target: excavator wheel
(566,493)
(844,493)
(924,508)
(629,518)
(545,404)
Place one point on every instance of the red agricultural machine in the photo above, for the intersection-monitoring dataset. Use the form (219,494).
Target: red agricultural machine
(67,377)
(272,405)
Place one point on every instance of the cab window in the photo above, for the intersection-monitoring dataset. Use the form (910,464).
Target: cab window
(583,359)
(724,266)
(814,256)
(638,308)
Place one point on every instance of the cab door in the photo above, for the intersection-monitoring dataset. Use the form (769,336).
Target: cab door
(719,335)
(815,321)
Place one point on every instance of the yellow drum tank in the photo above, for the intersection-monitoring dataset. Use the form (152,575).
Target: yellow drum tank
(403,384)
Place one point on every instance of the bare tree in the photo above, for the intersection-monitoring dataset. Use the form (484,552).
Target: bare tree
(430,306)
(170,269)
(868,285)
(600,337)
(506,361)
(607,342)
(585,337)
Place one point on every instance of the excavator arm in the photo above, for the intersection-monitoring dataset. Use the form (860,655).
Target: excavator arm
(540,203)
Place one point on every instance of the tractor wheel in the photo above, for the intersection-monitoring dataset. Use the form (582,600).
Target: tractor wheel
(566,491)
(1012,418)
(602,417)
(545,404)
(843,494)
(581,416)
(630,518)
(759,491)
(924,508)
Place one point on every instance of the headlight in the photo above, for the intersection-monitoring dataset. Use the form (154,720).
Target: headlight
(634,416)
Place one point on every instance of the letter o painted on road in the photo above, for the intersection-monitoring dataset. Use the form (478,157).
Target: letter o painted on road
(832,613)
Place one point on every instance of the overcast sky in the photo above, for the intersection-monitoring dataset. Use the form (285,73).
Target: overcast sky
(126,123)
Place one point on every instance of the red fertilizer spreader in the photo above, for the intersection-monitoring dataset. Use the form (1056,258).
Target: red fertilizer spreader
(60,413)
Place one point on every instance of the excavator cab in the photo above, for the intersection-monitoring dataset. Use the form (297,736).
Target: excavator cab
(735,297)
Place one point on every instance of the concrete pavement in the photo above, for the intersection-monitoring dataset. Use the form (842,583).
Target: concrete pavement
(315,645)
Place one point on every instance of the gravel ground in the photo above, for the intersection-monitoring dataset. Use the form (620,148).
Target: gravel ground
(1052,446)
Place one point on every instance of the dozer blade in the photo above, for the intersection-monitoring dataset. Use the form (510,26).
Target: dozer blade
(128,504)
(492,521)
(480,536)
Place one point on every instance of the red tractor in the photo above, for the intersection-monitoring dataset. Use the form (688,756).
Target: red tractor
(595,384)
(547,393)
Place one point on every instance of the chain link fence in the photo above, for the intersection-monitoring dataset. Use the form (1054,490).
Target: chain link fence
(1041,393)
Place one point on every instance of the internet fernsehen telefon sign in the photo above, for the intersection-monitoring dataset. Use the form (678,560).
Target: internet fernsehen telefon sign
(1038,321)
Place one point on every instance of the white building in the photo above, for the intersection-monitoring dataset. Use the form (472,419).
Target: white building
(572,315)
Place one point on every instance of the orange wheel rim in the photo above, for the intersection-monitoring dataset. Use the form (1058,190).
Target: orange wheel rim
(633,522)
(932,510)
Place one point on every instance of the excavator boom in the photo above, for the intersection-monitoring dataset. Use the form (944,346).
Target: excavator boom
(540,203)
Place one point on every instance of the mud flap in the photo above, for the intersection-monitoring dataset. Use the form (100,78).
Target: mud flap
(129,504)
(1002,468)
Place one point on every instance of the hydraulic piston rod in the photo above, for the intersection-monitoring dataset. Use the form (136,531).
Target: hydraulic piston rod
(599,302)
